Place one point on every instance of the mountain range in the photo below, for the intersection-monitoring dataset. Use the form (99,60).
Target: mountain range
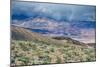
(50,27)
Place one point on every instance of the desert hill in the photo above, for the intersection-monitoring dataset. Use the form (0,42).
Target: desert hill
(28,48)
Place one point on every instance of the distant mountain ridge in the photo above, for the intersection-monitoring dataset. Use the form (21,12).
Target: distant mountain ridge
(50,27)
(34,22)
(19,33)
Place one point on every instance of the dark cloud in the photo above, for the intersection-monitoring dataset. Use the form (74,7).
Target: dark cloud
(60,12)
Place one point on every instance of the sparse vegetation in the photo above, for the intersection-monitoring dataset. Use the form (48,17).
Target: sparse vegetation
(31,52)
(29,48)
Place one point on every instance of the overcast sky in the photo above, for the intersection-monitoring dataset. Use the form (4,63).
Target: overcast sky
(59,12)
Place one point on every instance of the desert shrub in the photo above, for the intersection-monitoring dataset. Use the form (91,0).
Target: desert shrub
(25,60)
(44,59)
(58,60)
(52,50)
(33,62)
(23,46)
(47,52)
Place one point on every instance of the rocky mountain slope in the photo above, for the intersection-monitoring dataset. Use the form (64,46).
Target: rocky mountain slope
(28,48)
